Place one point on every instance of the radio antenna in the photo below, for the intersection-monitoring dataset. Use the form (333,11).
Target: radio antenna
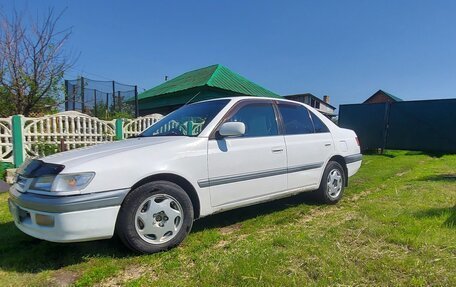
(192,98)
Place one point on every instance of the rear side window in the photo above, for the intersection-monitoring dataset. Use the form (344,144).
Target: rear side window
(296,119)
(259,120)
(320,127)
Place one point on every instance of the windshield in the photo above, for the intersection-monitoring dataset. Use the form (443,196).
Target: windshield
(188,121)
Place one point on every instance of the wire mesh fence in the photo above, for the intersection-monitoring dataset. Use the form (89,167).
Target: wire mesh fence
(101,99)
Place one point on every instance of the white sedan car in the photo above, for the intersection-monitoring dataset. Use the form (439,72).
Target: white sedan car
(203,158)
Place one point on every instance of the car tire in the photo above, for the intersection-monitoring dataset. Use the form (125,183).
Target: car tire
(154,217)
(332,183)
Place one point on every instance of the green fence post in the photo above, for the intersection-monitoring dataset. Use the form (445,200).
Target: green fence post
(189,128)
(119,129)
(18,142)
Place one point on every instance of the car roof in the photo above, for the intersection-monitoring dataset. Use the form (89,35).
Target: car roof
(237,99)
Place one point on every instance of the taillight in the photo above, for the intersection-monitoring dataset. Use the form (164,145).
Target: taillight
(357,141)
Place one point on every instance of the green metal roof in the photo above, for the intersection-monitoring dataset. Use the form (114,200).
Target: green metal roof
(391,96)
(216,76)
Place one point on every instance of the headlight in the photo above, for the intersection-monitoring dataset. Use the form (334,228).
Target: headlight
(62,182)
(72,182)
(43,183)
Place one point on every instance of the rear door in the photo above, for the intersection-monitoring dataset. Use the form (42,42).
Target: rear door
(245,168)
(309,145)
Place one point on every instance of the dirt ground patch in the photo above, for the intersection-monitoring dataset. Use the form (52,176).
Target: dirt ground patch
(230,228)
(130,273)
(64,278)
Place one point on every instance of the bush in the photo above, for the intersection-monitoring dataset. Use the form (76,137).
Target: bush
(45,149)
(3,167)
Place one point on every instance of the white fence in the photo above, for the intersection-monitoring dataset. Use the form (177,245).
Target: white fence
(133,127)
(66,130)
(6,140)
(71,129)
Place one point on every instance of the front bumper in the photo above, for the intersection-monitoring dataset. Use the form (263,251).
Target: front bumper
(66,218)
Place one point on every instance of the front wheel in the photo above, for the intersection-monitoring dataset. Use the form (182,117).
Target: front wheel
(155,217)
(332,183)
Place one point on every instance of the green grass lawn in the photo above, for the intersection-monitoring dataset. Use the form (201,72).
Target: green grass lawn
(395,226)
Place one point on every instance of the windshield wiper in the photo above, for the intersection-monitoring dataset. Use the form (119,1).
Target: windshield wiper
(165,135)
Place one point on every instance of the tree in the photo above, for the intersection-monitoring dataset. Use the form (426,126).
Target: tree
(32,64)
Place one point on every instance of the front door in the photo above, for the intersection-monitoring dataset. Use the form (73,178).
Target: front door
(243,169)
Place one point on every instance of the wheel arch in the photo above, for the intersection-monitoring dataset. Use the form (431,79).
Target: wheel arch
(341,160)
(179,180)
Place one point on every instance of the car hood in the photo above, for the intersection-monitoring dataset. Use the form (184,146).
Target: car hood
(103,150)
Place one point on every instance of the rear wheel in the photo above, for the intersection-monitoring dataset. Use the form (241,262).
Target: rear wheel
(155,217)
(332,183)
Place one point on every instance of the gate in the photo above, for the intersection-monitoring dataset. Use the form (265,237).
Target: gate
(411,125)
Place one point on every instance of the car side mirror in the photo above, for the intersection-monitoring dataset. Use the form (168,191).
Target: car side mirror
(232,129)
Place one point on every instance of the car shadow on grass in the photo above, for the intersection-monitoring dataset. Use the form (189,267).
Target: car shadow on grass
(447,212)
(234,216)
(24,254)
(428,153)
(375,152)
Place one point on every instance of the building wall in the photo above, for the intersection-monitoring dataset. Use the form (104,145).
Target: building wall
(379,98)
(309,100)
(326,109)
(159,110)
(299,98)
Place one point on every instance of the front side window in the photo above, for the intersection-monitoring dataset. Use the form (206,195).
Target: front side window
(259,120)
(188,121)
(296,119)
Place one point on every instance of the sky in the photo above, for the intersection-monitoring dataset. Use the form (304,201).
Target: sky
(345,49)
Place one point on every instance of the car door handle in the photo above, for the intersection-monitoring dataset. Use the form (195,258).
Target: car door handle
(327,144)
(277,149)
